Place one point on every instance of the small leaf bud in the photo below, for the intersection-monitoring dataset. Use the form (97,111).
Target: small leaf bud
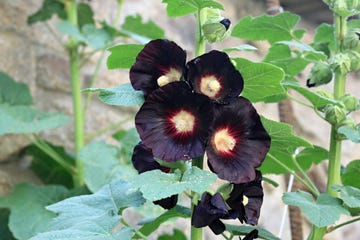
(334,114)
(320,74)
(350,102)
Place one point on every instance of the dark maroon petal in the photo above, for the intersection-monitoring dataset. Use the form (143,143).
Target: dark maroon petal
(143,159)
(238,143)
(251,235)
(217,227)
(209,209)
(213,75)
(158,58)
(253,192)
(174,122)
(168,202)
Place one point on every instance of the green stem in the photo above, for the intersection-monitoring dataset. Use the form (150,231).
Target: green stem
(47,149)
(71,8)
(200,48)
(344,224)
(306,177)
(137,232)
(335,144)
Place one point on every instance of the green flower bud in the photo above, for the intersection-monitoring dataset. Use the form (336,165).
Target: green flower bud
(345,8)
(225,190)
(334,114)
(320,74)
(342,63)
(352,39)
(215,27)
(350,102)
(354,57)
(349,122)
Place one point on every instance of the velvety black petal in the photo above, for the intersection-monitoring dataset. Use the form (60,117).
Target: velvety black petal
(159,58)
(217,226)
(238,143)
(143,159)
(168,202)
(252,194)
(209,209)
(174,122)
(251,235)
(213,75)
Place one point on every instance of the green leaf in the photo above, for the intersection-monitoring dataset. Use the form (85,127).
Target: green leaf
(350,133)
(47,10)
(102,165)
(123,56)
(350,195)
(324,212)
(176,8)
(280,55)
(96,215)
(135,28)
(27,205)
(325,34)
(351,174)
(4,229)
(123,95)
(128,139)
(85,15)
(283,146)
(23,119)
(178,235)
(95,37)
(261,80)
(272,28)
(311,155)
(243,230)
(47,169)
(67,28)
(243,47)
(163,185)
(176,212)
(12,92)
(316,99)
(308,52)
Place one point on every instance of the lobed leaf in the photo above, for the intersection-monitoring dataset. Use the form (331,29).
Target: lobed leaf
(163,185)
(353,134)
(324,212)
(47,10)
(308,52)
(24,119)
(85,15)
(283,146)
(12,92)
(102,165)
(97,38)
(351,174)
(27,204)
(142,31)
(67,28)
(96,217)
(271,28)
(123,95)
(176,8)
(261,80)
(350,195)
(123,56)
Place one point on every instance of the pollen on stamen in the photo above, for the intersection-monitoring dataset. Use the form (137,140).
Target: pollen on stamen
(223,141)
(210,86)
(183,122)
(171,76)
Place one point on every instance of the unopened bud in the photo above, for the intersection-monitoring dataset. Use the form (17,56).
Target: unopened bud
(350,102)
(215,28)
(320,74)
(352,39)
(354,57)
(345,8)
(334,114)
(341,63)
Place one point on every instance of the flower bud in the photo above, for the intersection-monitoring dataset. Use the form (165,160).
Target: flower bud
(342,63)
(354,57)
(350,102)
(215,28)
(352,39)
(334,114)
(320,74)
(345,8)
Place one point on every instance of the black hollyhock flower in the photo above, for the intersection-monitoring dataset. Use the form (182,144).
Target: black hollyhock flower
(209,211)
(213,75)
(174,122)
(159,63)
(226,22)
(251,235)
(144,161)
(249,196)
(238,143)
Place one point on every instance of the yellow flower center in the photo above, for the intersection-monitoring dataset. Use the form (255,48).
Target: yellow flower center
(183,121)
(223,141)
(171,76)
(210,86)
(245,200)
